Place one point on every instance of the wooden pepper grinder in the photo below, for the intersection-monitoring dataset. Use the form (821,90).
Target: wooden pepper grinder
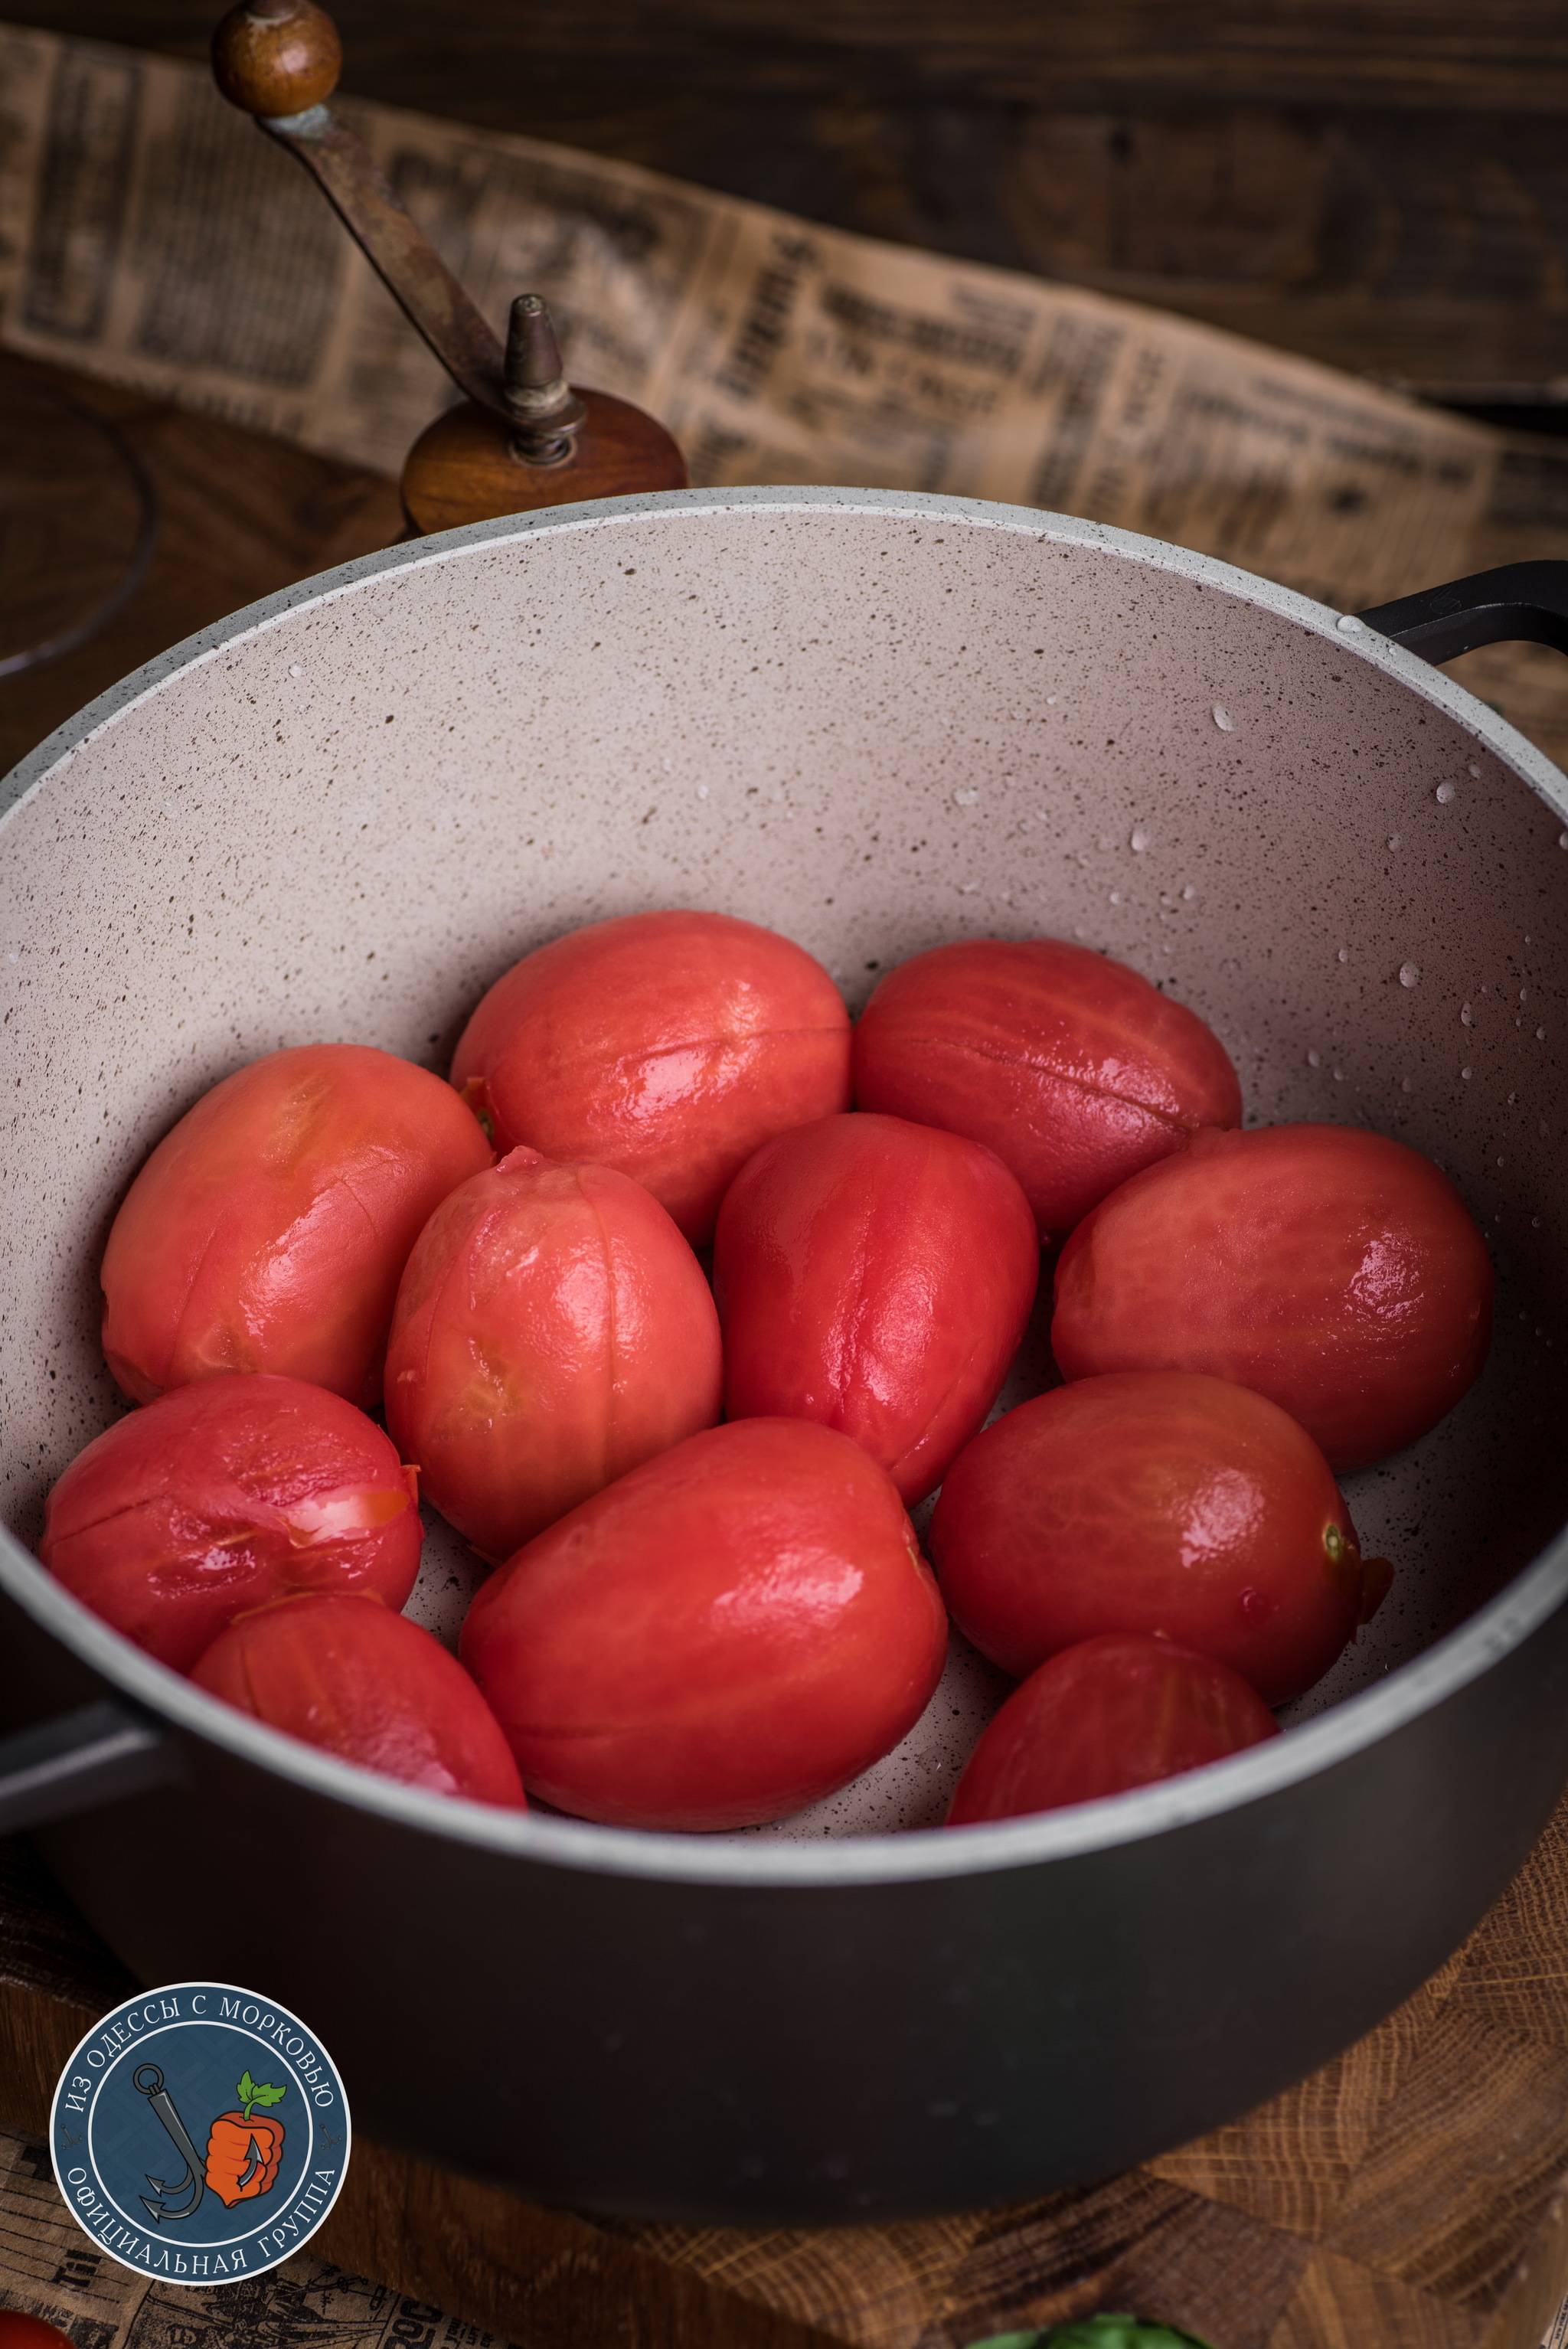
(522,436)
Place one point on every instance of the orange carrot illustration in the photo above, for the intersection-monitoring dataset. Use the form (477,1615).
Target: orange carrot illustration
(243,2153)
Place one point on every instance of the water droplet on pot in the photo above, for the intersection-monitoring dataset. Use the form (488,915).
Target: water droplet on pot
(1052,699)
(964,799)
(702,791)
(1314,1060)
(1541,1035)
(1393,840)
(1344,955)
(295,669)
(1443,794)
(1349,626)
(1116,896)
(967,888)
(1475,771)
(1140,840)
(1405,1085)
(1563,840)
(1188,893)
(1409,972)
(1502,1162)
(1467,1017)
(1223,719)
(1339,1076)
(1467,1074)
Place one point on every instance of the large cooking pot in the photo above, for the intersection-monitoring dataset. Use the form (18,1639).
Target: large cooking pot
(875,721)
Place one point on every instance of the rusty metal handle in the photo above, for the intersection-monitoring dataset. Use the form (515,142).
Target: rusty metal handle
(279,61)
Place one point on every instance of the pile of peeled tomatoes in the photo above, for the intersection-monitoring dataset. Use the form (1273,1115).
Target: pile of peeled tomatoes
(678,1297)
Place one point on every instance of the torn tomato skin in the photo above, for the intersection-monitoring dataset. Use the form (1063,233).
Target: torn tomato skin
(725,1636)
(1104,1716)
(552,1329)
(222,1495)
(268,1230)
(876,1275)
(1159,1502)
(1070,1066)
(342,1672)
(668,1045)
(1331,1269)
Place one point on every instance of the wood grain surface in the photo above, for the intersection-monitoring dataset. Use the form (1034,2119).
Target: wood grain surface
(1413,2194)
(460,470)
(1381,186)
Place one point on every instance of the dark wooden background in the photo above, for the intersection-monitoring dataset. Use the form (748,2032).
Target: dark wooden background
(1382,183)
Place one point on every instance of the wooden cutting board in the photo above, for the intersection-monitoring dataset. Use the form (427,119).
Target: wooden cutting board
(1411,2195)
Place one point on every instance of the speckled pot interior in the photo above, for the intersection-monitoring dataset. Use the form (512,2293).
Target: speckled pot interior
(875,722)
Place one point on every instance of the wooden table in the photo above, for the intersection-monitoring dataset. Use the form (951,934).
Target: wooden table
(1380,184)
(1384,187)
(1411,2195)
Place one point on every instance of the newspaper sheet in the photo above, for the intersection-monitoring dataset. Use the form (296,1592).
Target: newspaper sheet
(51,2269)
(150,234)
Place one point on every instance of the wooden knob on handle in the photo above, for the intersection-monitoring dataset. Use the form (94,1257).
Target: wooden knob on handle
(276,56)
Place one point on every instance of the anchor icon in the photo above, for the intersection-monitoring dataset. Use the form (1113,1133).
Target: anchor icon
(148,2080)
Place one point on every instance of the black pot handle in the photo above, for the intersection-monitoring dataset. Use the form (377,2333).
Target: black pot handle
(1517,603)
(98,1753)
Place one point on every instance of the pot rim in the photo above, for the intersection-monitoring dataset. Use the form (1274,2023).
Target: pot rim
(923,1855)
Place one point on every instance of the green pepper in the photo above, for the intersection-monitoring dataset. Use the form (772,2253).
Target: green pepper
(1102,2332)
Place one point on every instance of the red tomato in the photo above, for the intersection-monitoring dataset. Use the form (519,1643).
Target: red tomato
(225,1495)
(727,1634)
(552,1330)
(1334,1270)
(1156,1502)
(876,1275)
(1070,1067)
(1112,1713)
(19,2331)
(268,1230)
(668,1045)
(347,1675)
